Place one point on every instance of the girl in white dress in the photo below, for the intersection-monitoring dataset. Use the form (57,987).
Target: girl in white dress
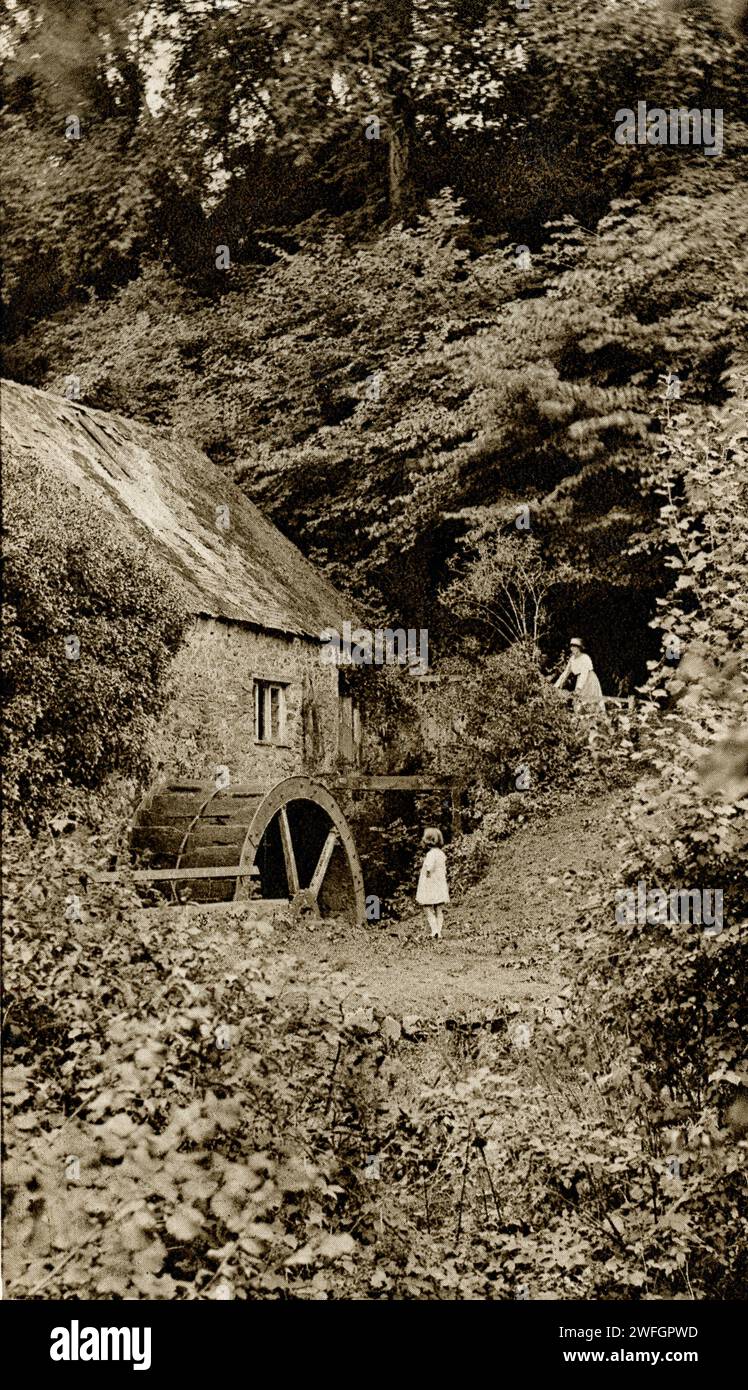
(432,892)
(587,690)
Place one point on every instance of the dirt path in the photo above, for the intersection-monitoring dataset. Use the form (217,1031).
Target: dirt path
(502,942)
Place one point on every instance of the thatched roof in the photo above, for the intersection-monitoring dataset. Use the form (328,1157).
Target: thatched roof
(167,492)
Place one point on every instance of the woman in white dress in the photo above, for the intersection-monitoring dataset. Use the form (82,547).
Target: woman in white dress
(432,891)
(587,691)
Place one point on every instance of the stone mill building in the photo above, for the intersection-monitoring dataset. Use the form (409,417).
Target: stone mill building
(250,693)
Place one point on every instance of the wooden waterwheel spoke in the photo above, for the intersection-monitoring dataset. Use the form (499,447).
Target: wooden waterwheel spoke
(292,873)
(323,863)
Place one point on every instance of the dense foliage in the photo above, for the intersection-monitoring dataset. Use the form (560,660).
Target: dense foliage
(190,1114)
(90,624)
(676,990)
(372,380)
(516,732)
(392,271)
(390,435)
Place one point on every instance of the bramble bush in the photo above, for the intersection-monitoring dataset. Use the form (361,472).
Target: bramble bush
(90,625)
(687,824)
(513,720)
(670,998)
(172,1120)
(190,1120)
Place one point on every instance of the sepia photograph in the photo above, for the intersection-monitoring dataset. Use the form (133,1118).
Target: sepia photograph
(374,430)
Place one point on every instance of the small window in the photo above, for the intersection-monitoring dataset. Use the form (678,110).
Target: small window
(270,712)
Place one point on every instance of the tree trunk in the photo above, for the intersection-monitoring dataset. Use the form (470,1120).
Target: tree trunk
(402,124)
(402,192)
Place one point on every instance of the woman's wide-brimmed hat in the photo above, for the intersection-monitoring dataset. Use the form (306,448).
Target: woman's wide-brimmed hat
(432,836)
(576,642)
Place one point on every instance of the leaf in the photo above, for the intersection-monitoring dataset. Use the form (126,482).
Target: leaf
(391,1028)
(120,1125)
(185,1223)
(333,1247)
(330,1247)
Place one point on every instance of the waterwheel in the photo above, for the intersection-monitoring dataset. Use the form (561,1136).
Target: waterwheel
(289,841)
